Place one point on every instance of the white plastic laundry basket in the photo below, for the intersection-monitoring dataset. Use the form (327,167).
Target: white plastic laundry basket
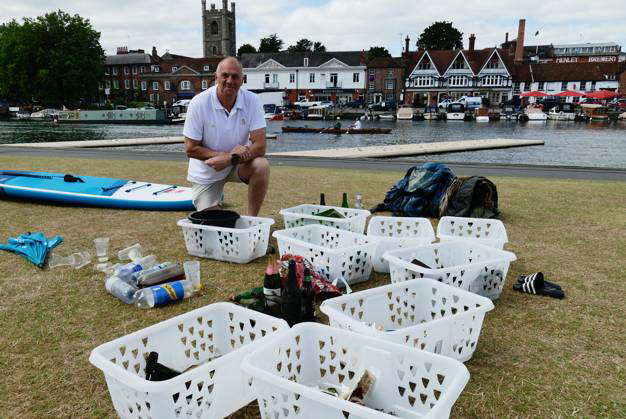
(409,383)
(421,313)
(482,230)
(303,215)
(245,242)
(213,389)
(335,253)
(463,264)
(395,232)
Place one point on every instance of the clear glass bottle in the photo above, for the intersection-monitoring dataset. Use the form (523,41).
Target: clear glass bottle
(358,201)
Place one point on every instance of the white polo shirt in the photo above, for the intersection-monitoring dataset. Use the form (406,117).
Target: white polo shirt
(208,121)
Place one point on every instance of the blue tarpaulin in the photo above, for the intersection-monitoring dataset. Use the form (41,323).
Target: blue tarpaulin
(33,246)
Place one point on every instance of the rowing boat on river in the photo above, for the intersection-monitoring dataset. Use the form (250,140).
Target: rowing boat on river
(338,130)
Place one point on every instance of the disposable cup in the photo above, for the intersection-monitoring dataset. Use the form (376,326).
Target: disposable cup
(102,248)
(192,273)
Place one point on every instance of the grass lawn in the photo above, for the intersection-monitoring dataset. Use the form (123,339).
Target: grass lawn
(536,357)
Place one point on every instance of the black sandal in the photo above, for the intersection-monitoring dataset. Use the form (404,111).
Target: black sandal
(535,284)
(525,278)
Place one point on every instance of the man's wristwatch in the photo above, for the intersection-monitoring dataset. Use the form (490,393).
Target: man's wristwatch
(235,159)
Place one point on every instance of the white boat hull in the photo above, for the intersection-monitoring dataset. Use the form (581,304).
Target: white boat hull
(455,116)
(482,119)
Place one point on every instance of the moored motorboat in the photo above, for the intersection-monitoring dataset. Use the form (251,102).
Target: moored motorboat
(405,112)
(455,112)
(533,113)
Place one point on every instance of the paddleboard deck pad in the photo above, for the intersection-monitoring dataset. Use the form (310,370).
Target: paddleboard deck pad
(94,191)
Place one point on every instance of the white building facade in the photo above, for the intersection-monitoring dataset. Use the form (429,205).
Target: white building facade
(338,77)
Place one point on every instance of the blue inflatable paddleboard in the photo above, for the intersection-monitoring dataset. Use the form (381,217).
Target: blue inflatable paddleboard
(94,191)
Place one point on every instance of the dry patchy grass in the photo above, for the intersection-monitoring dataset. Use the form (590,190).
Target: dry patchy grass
(537,357)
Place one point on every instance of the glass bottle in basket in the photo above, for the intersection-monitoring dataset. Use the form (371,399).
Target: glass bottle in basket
(358,201)
(291,297)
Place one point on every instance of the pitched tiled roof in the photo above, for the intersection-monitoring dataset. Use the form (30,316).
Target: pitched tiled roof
(566,72)
(443,58)
(131,58)
(384,62)
(296,59)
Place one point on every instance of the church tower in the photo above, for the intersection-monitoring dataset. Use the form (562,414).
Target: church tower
(218,30)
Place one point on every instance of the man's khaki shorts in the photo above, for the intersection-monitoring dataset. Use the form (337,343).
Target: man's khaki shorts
(208,195)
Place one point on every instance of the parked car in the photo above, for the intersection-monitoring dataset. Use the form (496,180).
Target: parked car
(354,104)
(382,106)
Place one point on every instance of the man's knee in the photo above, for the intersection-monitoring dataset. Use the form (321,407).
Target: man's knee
(260,166)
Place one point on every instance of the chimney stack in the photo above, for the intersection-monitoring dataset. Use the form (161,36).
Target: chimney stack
(472,42)
(225,5)
(406,44)
(519,44)
(506,38)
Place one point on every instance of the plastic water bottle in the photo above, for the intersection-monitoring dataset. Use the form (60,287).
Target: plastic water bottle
(133,252)
(158,273)
(160,295)
(120,289)
(125,272)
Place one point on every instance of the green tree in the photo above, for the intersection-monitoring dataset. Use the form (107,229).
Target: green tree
(55,59)
(319,47)
(245,49)
(441,35)
(271,44)
(302,45)
(375,52)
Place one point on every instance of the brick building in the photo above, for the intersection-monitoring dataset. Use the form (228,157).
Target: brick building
(385,80)
(123,74)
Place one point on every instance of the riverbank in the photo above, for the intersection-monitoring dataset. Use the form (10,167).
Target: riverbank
(536,357)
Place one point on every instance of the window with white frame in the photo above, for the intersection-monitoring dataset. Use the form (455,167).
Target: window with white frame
(116,84)
(144,85)
(423,81)
(114,70)
(167,85)
(155,69)
(126,84)
(370,85)
(355,77)
(583,85)
(134,69)
(312,77)
(155,85)
(107,84)
(390,73)
(372,71)
(390,84)
(135,83)
(424,64)
(174,68)
(459,63)
(274,78)
(267,78)
(563,85)
(126,70)
(142,69)
(292,78)
(205,84)
(541,85)
(151,97)
(593,86)
(492,80)
(185,85)
(457,80)
(526,86)
(306,62)
(206,68)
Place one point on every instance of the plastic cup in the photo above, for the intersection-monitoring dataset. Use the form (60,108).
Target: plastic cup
(102,248)
(133,252)
(80,259)
(192,273)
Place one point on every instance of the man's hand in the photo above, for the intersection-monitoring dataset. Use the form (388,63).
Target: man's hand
(219,162)
(244,152)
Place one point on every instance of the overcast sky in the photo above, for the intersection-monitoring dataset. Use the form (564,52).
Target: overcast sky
(341,25)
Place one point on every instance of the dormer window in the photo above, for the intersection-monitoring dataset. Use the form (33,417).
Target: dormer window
(424,65)
(306,61)
(459,63)
(493,63)
(206,68)
(174,68)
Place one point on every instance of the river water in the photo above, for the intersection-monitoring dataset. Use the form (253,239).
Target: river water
(566,143)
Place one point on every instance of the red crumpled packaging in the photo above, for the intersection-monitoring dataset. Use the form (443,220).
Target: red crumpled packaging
(322,288)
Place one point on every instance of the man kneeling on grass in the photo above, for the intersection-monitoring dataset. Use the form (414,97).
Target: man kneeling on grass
(225,140)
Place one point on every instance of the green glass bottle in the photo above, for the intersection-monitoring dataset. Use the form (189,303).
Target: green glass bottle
(322,199)
(344,202)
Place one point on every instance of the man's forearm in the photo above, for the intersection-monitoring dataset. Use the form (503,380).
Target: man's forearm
(196,151)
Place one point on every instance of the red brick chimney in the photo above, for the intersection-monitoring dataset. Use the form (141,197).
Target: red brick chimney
(519,44)
(406,42)
(472,43)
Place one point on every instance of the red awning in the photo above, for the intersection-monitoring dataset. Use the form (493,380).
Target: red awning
(534,93)
(571,93)
(601,94)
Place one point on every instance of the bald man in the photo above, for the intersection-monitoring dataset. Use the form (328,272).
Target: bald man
(225,140)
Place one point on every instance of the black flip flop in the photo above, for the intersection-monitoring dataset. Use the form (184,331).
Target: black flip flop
(535,284)
(539,275)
